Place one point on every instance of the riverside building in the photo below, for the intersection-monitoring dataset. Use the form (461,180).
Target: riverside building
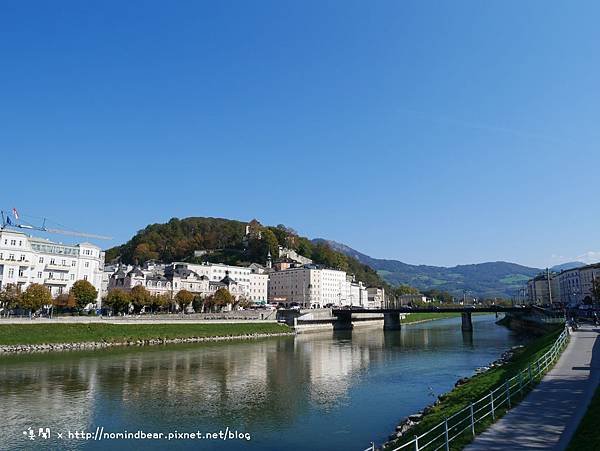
(26,259)
(310,286)
(204,279)
(543,292)
(571,287)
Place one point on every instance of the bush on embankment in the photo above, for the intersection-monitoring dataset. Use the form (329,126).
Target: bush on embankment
(26,334)
(477,387)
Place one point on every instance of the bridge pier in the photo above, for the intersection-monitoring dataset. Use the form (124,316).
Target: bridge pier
(343,320)
(467,323)
(391,321)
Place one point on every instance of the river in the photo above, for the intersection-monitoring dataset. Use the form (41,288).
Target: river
(318,391)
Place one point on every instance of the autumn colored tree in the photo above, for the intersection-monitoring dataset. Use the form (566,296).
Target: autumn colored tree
(118,300)
(140,298)
(222,297)
(64,301)
(158,302)
(243,303)
(84,293)
(405,289)
(184,298)
(35,297)
(10,296)
(143,253)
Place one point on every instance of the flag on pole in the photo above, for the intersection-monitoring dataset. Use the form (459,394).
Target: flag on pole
(15,213)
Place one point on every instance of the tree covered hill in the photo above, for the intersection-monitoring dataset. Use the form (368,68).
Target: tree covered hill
(225,241)
(491,279)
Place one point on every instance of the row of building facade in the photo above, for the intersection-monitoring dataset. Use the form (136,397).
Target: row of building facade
(291,280)
(25,260)
(570,287)
(303,285)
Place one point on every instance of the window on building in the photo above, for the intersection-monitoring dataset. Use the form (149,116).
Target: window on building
(50,275)
(73,263)
(13,242)
(21,272)
(41,260)
(87,264)
(11,273)
(52,261)
(85,277)
(40,274)
(72,276)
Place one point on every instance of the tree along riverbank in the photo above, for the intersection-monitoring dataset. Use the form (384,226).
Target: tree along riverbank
(55,337)
(471,389)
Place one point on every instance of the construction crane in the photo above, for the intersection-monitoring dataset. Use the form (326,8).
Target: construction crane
(19,223)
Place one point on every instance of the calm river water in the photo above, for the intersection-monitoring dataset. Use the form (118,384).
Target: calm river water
(314,391)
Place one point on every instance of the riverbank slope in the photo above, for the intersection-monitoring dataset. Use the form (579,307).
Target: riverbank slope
(34,337)
(475,388)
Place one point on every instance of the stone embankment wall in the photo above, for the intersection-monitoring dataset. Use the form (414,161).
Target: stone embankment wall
(14,349)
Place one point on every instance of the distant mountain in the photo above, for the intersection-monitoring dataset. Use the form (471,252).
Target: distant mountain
(566,266)
(492,279)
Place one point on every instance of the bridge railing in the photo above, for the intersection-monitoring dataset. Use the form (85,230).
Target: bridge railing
(468,420)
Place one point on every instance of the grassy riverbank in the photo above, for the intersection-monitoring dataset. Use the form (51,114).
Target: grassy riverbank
(30,334)
(477,387)
(419,317)
(588,434)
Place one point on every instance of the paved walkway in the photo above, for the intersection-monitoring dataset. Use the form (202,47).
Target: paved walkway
(548,417)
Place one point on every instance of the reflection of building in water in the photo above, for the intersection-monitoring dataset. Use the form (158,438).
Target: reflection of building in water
(245,381)
(332,369)
(45,395)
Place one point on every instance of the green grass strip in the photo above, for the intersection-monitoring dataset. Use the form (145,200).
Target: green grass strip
(417,317)
(587,436)
(25,334)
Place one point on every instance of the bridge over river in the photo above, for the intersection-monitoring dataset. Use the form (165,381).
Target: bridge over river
(391,316)
(344,318)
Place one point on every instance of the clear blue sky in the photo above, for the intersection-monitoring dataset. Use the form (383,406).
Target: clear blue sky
(431,132)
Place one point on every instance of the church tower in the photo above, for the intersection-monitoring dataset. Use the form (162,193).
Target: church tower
(269,260)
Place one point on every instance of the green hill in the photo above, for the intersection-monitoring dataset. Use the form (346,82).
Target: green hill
(225,241)
(488,280)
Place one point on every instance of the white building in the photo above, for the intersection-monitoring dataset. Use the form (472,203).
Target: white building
(204,279)
(376,297)
(357,293)
(25,260)
(587,274)
(293,255)
(575,285)
(310,287)
(252,281)
(540,291)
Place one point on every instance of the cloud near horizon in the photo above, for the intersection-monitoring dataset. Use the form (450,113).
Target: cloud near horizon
(587,257)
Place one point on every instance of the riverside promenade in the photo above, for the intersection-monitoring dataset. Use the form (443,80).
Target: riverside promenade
(548,417)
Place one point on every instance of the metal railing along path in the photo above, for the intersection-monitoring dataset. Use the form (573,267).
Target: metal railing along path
(496,401)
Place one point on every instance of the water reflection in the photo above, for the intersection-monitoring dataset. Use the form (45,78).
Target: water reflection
(346,389)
